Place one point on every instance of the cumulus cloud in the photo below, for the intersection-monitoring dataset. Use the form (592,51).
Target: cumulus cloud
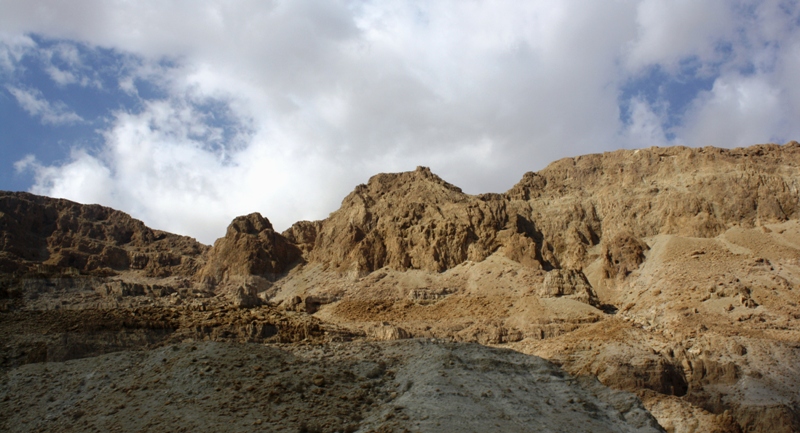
(84,178)
(35,104)
(646,126)
(283,107)
(671,31)
(162,166)
(738,111)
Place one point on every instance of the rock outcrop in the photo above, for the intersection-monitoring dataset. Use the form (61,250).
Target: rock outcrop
(413,220)
(41,235)
(570,283)
(244,261)
(250,247)
(701,192)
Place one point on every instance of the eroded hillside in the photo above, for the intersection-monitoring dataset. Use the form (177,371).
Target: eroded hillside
(669,272)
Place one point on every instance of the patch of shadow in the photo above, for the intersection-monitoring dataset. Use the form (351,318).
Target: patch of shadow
(608,308)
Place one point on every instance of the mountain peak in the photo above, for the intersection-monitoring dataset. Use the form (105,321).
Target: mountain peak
(252,224)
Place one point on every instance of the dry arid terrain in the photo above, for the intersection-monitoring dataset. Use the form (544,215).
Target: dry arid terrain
(644,291)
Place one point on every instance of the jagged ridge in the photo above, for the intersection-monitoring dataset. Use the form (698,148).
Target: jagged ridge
(45,235)
(666,235)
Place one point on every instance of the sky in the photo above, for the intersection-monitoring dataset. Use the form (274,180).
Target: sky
(187,113)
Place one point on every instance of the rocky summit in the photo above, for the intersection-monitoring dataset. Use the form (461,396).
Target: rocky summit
(640,290)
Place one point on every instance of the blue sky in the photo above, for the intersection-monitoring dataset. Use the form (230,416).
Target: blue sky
(670,94)
(186,114)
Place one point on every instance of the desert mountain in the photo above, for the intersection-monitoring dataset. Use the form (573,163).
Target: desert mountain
(671,273)
(41,235)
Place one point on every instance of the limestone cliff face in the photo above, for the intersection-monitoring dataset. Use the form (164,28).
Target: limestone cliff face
(689,192)
(553,218)
(42,235)
(670,272)
(414,220)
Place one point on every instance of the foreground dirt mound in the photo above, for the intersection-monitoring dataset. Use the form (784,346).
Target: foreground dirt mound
(413,385)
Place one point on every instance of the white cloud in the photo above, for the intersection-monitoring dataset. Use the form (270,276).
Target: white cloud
(738,111)
(26,163)
(61,76)
(158,166)
(313,97)
(85,178)
(127,85)
(675,30)
(646,125)
(12,48)
(34,103)
(64,64)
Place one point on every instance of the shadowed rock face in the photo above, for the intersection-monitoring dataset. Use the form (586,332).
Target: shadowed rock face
(250,247)
(243,263)
(40,234)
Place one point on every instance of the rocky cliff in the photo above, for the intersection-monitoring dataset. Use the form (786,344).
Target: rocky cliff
(672,273)
(415,220)
(646,192)
(550,219)
(44,235)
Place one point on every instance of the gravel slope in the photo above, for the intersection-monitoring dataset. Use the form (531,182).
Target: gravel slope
(409,385)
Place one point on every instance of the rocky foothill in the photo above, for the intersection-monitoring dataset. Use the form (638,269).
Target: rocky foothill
(638,290)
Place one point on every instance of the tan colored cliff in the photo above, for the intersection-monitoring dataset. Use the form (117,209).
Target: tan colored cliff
(673,273)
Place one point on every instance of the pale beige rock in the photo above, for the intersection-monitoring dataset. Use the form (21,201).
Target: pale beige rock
(569,283)
(387,332)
